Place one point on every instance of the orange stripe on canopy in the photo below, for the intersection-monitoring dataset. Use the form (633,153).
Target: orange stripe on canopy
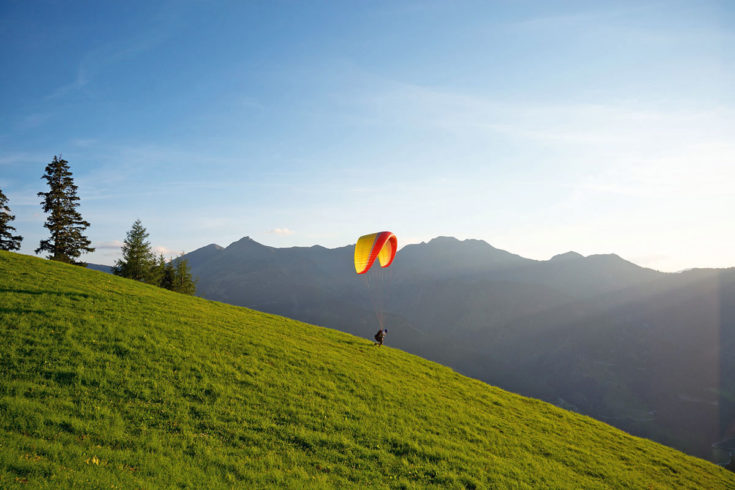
(382,245)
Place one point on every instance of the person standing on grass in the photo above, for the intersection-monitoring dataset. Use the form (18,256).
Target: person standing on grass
(380,336)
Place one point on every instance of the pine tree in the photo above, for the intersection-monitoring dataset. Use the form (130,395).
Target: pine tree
(64,222)
(138,260)
(169,275)
(158,271)
(182,280)
(8,241)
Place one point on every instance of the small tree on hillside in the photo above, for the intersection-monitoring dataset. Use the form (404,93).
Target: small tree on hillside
(8,241)
(182,280)
(168,274)
(64,222)
(158,271)
(138,260)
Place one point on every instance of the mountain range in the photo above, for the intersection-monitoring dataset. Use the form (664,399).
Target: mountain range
(646,351)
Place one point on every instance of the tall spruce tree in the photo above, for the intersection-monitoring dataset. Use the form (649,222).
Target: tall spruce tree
(138,260)
(8,241)
(66,225)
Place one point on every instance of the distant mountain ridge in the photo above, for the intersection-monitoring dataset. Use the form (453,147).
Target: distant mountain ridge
(598,334)
(100,267)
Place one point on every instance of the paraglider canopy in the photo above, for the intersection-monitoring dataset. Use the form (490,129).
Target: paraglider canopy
(382,245)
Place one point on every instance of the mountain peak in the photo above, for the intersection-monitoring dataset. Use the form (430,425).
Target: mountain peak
(443,239)
(245,241)
(449,254)
(609,258)
(450,240)
(571,255)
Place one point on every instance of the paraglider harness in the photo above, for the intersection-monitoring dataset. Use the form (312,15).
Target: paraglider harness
(380,336)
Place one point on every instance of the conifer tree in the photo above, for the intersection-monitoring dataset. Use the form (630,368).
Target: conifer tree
(182,280)
(169,275)
(8,241)
(64,222)
(138,260)
(158,271)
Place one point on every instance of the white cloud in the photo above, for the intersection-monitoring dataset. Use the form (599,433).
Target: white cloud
(166,252)
(281,231)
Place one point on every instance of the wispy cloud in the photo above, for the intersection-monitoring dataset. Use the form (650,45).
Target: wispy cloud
(33,121)
(688,171)
(115,166)
(79,82)
(248,102)
(597,15)
(571,122)
(112,245)
(624,21)
(83,142)
(103,56)
(23,158)
(653,142)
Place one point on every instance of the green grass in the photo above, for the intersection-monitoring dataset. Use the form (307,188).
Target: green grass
(109,383)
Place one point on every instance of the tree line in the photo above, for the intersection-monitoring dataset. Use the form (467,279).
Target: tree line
(140,263)
(67,241)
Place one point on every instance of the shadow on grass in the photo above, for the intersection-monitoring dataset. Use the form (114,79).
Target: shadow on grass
(351,342)
(23,311)
(39,292)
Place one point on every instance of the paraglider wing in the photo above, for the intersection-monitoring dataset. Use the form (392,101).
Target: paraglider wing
(382,245)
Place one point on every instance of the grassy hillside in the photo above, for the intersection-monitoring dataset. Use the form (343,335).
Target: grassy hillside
(106,382)
(646,351)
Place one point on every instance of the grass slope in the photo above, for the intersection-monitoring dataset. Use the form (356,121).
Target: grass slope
(107,382)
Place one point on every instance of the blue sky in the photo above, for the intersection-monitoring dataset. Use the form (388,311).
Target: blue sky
(540,127)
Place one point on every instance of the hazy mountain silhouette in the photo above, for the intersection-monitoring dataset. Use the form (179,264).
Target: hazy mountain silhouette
(100,267)
(649,352)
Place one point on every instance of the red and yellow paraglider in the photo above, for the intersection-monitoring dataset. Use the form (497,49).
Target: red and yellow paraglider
(382,245)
